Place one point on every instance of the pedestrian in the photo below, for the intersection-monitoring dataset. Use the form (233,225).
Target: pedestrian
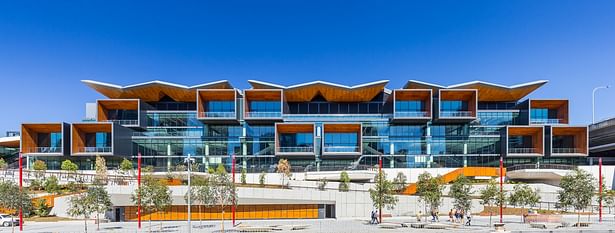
(462,213)
(437,216)
(450,216)
(469,222)
(456,215)
(373,217)
(418,216)
(433,215)
(376,217)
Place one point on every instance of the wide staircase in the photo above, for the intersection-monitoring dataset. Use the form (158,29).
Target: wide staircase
(466,171)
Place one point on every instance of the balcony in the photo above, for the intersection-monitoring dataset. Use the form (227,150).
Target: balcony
(217,105)
(294,139)
(100,138)
(263,105)
(548,112)
(569,141)
(525,141)
(457,105)
(341,139)
(125,112)
(412,105)
(40,139)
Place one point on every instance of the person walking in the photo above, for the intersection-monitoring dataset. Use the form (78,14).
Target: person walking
(373,217)
(450,216)
(469,222)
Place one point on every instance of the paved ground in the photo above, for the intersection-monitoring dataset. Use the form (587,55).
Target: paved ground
(480,224)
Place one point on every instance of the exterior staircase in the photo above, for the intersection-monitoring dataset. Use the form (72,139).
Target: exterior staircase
(466,171)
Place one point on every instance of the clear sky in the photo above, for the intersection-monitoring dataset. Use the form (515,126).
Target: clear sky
(46,47)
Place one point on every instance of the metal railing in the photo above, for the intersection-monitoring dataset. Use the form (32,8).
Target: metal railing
(124,122)
(94,150)
(343,149)
(264,114)
(545,121)
(455,114)
(296,149)
(540,166)
(43,150)
(566,151)
(522,151)
(216,115)
(409,114)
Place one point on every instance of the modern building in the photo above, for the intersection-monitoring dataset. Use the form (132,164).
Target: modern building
(602,141)
(316,125)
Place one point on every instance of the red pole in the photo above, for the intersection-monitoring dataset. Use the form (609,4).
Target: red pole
(600,186)
(233,206)
(501,183)
(139,186)
(380,179)
(20,188)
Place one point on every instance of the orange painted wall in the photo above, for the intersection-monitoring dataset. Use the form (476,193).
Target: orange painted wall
(307,211)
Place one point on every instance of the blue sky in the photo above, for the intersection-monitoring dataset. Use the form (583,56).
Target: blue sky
(46,47)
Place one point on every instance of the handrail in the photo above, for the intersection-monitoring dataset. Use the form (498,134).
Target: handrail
(522,150)
(543,121)
(216,114)
(402,114)
(124,122)
(566,150)
(94,150)
(340,149)
(293,149)
(56,149)
(455,113)
(264,114)
(540,166)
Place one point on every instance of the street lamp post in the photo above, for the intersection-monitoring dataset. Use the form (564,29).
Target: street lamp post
(189,162)
(594,101)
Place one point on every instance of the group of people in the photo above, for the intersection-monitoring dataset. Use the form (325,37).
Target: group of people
(456,216)
(374,216)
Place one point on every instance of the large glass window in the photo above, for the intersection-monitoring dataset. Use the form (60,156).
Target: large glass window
(341,142)
(563,141)
(159,119)
(260,140)
(409,106)
(335,108)
(453,105)
(265,106)
(296,140)
(221,106)
(520,144)
(121,114)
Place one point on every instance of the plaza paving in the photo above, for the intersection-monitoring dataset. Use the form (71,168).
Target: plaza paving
(480,224)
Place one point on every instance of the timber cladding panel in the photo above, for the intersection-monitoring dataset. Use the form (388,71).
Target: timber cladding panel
(561,106)
(78,131)
(29,133)
(261,95)
(114,104)
(469,95)
(579,133)
(537,134)
(206,95)
(282,211)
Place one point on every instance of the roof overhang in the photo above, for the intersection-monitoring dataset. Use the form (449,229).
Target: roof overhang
(12,142)
(486,91)
(333,92)
(153,91)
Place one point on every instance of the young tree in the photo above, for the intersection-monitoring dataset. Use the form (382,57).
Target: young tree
(344,182)
(200,193)
(101,170)
(400,182)
(430,188)
(3,164)
(383,194)
(322,184)
(223,192)
(577,191)
(154,196)
(461,189)
(52,185)
(261,178)
(12,198)
(243,176)
(40,208)
(609,199)
(125,167)
(81,205)
(71,168)
(100,201)
(489,196)
(523,195)
(40,168)
(284,170)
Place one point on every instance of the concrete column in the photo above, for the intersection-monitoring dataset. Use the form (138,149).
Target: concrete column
(465,161)
(206,157)
(168,157)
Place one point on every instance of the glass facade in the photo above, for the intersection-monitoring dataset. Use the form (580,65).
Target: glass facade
(220,106)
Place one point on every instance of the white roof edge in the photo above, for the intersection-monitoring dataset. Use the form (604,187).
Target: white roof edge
(481,82)
(151,82)
(319,82)
(10,139)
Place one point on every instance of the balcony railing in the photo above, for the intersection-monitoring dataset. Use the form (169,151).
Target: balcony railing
(566,151)
(543,121)
(296,149)
(522,151)
(43,150)
(341,149)
(125,122)
(264,114)
(216,114)
(413,114)
(94,150)
(455,114)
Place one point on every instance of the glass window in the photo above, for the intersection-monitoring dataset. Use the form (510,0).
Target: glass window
(221,106)
(454,105)
(409,106)
(296,140)
(265,106)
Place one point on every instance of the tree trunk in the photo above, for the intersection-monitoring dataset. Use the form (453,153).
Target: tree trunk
(12,224)
(200,217)
(490,214)
(578,218)
(150,223)
(223,219)
(86,225)
(97,221)
(523,214)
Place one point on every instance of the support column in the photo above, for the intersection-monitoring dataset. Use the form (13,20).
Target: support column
(206,158)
